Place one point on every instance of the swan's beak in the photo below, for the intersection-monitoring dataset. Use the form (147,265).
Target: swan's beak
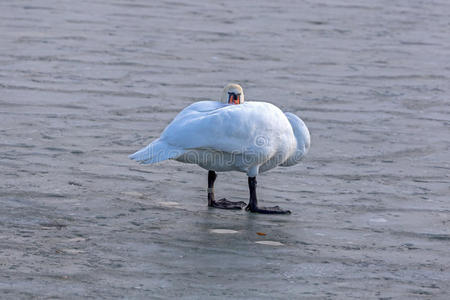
(234,98)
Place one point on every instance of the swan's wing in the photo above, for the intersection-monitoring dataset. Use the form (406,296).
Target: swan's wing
(252,127)
(155,152)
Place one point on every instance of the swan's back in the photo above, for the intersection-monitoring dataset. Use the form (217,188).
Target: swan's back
(257,127)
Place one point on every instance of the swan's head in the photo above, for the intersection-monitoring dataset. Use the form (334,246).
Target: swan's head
(232,94)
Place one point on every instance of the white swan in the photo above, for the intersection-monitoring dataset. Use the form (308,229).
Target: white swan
(251,137)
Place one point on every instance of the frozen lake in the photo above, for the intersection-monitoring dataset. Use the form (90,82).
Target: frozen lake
(85,83)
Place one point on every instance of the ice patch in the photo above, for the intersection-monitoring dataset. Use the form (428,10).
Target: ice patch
(270,243)
(133,194)
(378,220)
(169,204)
(223,231)
(72,251)
(77,239)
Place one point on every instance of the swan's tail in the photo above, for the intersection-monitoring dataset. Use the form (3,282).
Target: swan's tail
(155,152)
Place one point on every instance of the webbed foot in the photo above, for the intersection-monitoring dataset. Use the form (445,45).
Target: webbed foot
(225,204)
(268,210)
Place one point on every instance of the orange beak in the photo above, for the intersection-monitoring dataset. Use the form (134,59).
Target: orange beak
(234,98)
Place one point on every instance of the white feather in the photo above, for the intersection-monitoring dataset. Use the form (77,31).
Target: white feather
(251,137)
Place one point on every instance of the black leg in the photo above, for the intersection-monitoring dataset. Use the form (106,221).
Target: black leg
(211,178)
(222,203)
(253,204)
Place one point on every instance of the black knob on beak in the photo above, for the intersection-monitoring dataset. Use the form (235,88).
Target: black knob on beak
(233,98)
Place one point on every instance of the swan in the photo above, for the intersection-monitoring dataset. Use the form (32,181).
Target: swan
(232,135)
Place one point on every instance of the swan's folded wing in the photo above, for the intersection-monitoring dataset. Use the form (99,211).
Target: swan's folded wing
(226,128)
(155,152)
